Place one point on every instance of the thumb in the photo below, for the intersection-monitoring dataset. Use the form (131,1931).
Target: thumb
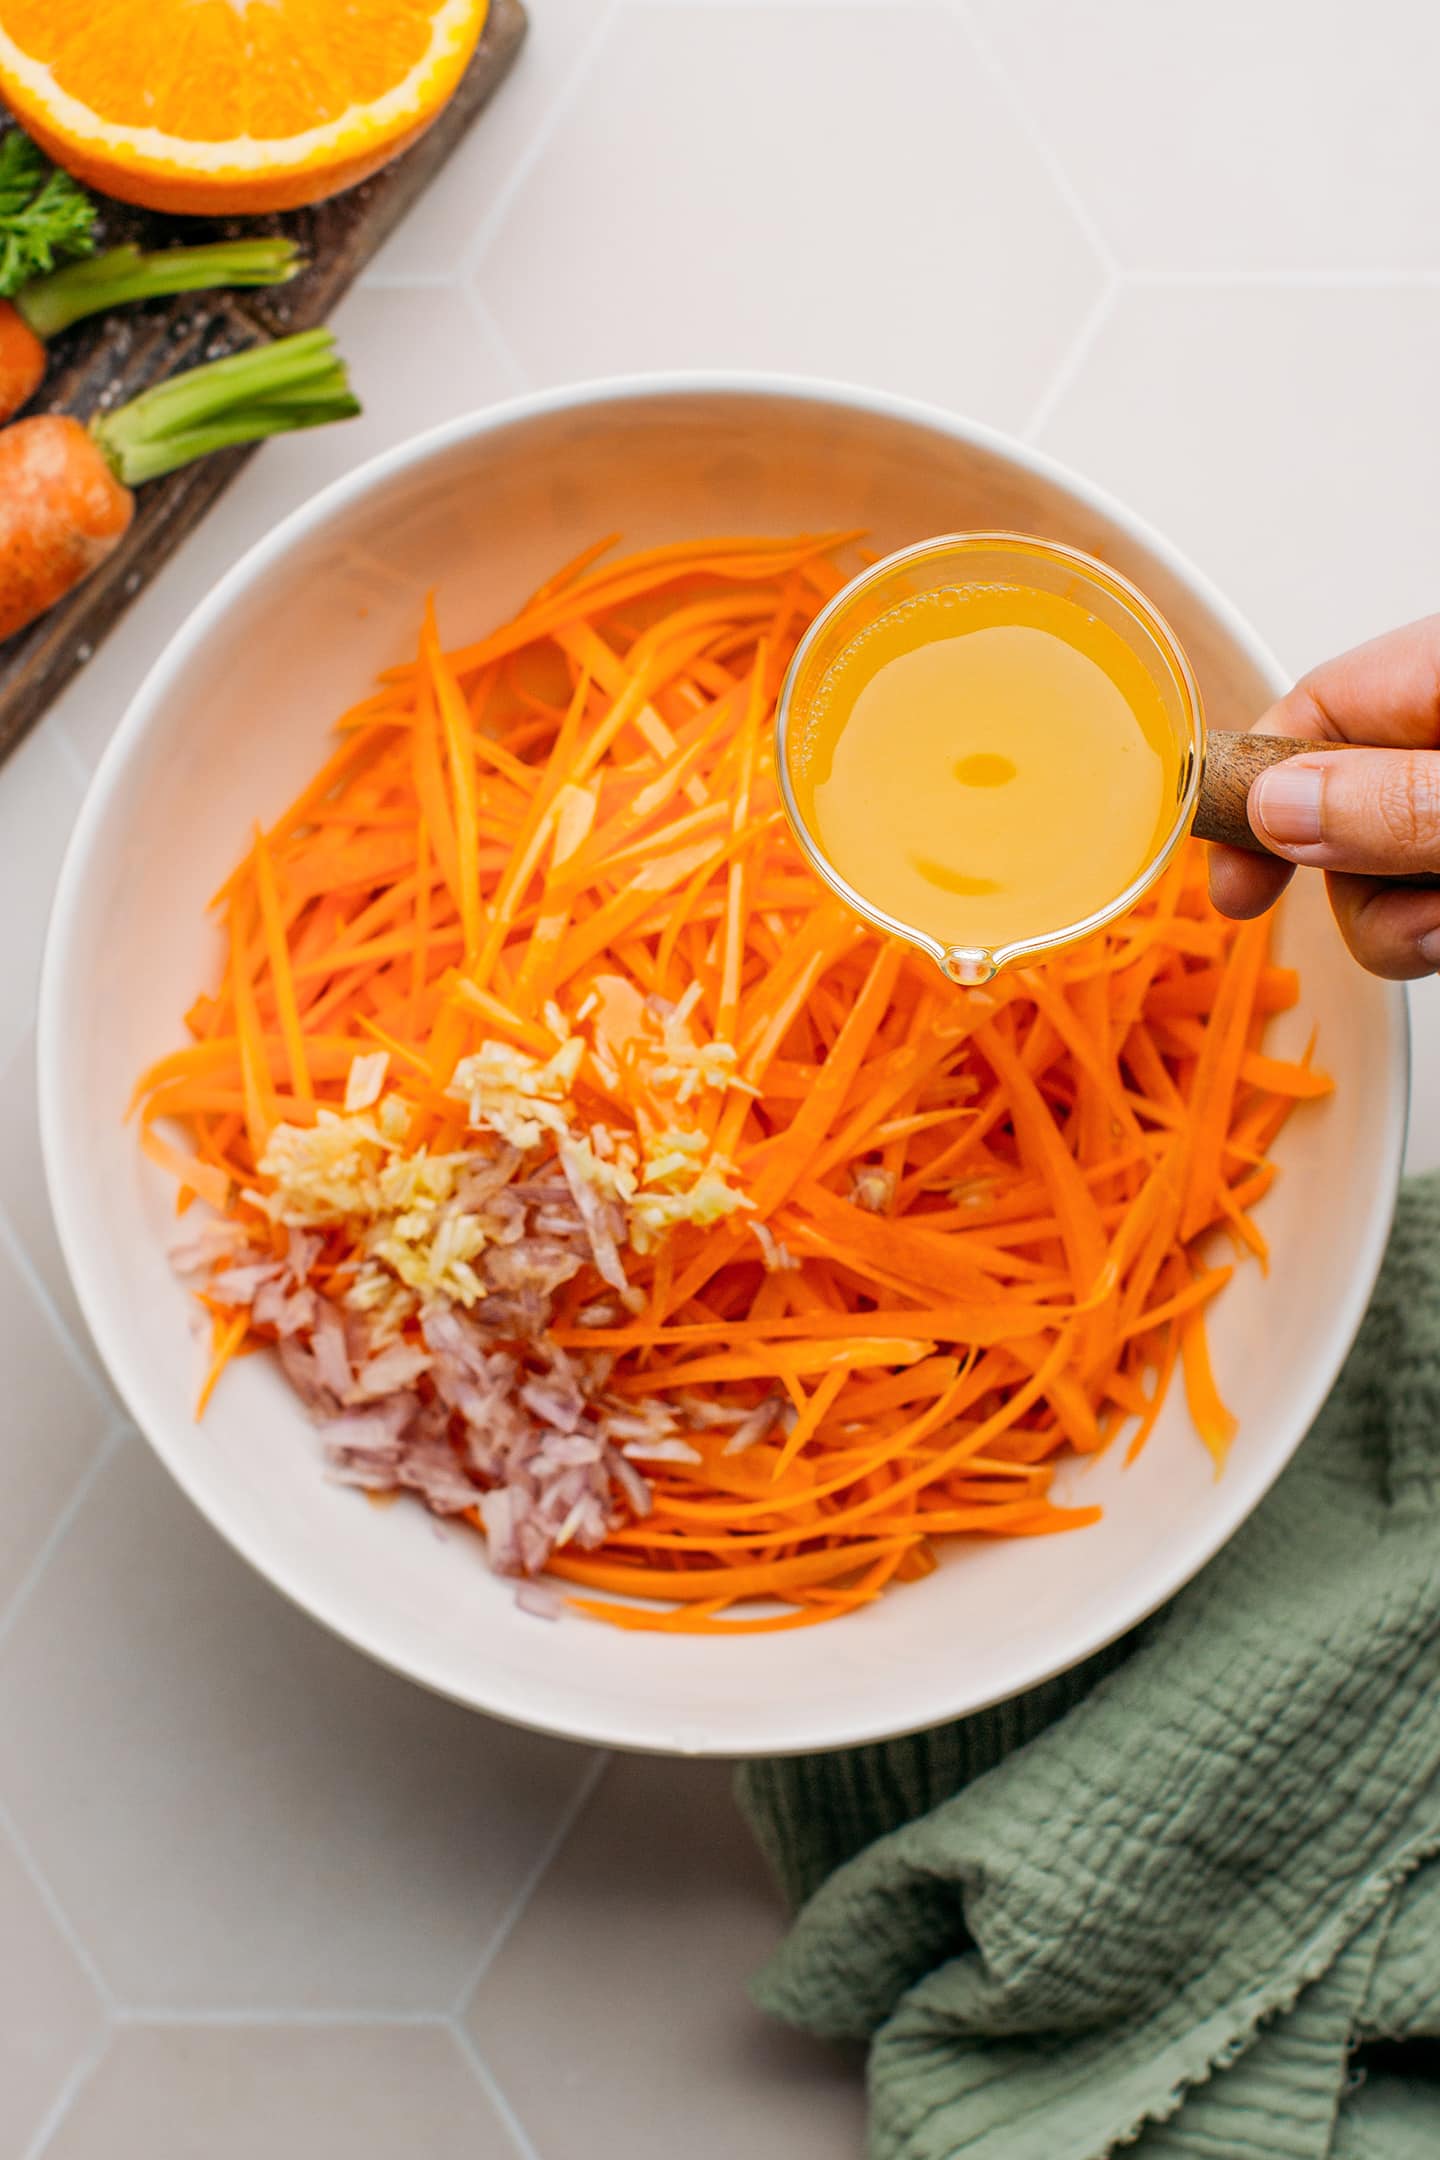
(1375,812)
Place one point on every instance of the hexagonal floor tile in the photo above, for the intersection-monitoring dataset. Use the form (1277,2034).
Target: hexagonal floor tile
(1280,435)
(50,2015)
(280,1824)
(460,196)
(418,357)
(23,1195)
(330,2092)
(55,1419)
(924,246)
(619,1999)
(37,809)
(1233,136)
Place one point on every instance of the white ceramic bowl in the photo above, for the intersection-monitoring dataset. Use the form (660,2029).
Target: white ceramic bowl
(234,717)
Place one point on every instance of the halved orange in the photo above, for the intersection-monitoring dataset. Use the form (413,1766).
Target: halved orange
(213,106)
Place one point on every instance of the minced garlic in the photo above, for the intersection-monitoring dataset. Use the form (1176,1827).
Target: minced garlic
(678,1063)
(408,1212)
(652,1215)
(505,1091)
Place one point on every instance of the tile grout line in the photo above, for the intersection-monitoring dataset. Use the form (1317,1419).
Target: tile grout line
(539,142)
(111,1441)
(79,2076)
(1039,141)
(490,2086)
(10,1830)
(1072,362)
(1282,280)
(244,2020)
(505,1926)
(489,322)
(14,1244)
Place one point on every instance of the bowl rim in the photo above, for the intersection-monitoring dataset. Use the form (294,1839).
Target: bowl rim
(67,1200)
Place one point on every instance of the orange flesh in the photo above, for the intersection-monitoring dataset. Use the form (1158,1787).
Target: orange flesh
(211,71)
(222,106)
(986,764)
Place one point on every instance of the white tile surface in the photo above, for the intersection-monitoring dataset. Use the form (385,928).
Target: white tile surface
(725,202)
(25,1204)
(38,803)
(331,2093)
(55,1417)
(50,2013)
(1200,249)
(280,1825)
(1285,438)
(665,1912)
(557,50)
(1241,135)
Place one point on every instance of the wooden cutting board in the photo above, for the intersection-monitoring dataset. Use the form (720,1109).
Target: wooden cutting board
(115,357)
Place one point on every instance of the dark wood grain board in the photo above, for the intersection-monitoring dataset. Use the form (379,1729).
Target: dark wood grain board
(115,357)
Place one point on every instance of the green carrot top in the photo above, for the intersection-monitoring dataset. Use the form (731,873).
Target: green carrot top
(48,264)
(45,217)
(296,382)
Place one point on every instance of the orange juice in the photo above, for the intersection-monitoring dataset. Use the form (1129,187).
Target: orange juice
(987,763)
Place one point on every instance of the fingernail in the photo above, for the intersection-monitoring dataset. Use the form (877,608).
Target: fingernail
(1430,948)
(1287,803)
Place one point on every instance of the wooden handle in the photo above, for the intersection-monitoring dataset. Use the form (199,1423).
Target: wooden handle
(1232,764)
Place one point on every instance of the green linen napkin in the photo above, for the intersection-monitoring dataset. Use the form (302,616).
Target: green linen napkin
(1159,1902)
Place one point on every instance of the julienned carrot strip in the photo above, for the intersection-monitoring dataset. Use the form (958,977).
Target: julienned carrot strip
(260,1112)
(995,1321)
(972,1257)
(428,784)
(460,754)
(1277,990)
(1043,1145)
(1244,1230)
(191,1172)
(227,1338)
(1215,1424)
(531,1035)
(1158,1393)
(1200,1292)
(773,1362)
(1218,1072)
(420,929)
(733,962)
(754,1580)
(645,1619)
(574,815)
(1283,1076)
(277,953)
(832,1090)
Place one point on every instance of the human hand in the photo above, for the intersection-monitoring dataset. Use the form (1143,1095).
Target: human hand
(1362,815)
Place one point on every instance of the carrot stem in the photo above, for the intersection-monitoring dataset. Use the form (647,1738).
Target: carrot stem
(123,274)
(296,382)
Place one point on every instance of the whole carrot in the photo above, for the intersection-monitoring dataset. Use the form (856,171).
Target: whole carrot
(65,500)
(22,360)
(44,219)
(62,511)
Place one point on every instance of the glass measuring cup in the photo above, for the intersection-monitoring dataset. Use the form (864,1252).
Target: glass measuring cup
(996,561)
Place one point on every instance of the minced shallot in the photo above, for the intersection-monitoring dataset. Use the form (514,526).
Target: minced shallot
(432,1369)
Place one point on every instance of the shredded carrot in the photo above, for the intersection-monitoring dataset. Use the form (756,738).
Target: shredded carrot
(228,1335)
(951,1239)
